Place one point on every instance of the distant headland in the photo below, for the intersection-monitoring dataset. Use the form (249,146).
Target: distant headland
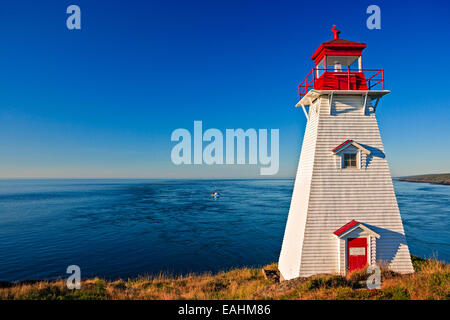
(439,178)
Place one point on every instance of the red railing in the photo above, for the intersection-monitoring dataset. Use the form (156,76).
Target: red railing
(376,78)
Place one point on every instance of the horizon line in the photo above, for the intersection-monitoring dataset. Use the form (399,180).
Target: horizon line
(143,178)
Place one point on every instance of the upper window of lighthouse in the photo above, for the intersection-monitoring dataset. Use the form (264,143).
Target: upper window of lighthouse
(350,160)
(349,154)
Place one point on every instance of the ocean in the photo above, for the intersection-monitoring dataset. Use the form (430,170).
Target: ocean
(119,228)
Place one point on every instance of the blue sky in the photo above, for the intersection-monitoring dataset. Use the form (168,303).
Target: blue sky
(103,101)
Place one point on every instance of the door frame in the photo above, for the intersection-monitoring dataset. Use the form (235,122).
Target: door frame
(358,230)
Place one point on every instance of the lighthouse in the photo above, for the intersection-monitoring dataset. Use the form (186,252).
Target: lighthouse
(343,214)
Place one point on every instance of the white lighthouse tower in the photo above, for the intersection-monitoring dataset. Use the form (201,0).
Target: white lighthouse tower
(343,214)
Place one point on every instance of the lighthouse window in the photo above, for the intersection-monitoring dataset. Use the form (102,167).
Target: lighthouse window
(340,62)
(354,65)
(349,160)
(320,67)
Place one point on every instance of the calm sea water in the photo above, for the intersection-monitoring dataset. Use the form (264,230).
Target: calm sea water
(125,228)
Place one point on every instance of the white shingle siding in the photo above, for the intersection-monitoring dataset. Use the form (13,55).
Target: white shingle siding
(326,197)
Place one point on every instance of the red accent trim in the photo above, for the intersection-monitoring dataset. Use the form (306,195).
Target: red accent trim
(342,144)
(337,50)
(339,47)
(344,228)
(347,79)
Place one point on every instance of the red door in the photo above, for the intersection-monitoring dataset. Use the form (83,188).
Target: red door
(357,253)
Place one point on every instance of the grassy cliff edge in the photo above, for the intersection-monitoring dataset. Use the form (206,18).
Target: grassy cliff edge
(430,281)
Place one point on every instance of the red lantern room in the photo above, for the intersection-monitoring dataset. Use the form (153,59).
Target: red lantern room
(338,66)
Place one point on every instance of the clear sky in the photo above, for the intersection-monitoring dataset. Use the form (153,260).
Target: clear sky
(103,101)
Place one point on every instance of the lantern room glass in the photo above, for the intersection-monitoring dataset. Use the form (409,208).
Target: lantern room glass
(320,67)
(341,63)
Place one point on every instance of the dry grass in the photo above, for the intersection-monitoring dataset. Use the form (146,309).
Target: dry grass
(431,281)
(233,284)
